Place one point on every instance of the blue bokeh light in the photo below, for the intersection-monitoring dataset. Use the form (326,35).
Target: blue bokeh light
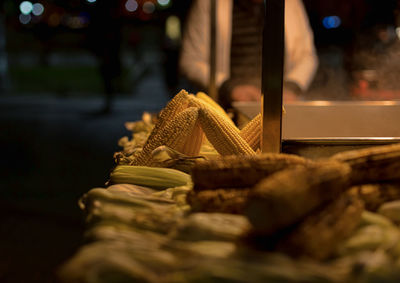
(26,7)
(131,5)
(331,22)
(163,2)
(37,9)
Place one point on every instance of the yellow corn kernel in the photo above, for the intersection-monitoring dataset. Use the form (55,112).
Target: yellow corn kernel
(204,97)
(174,135)
(200,103)
(173,107)
(224,136)
(194,142)
(251,133)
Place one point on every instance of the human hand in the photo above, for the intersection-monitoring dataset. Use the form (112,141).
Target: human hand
(290,96)
(246,93)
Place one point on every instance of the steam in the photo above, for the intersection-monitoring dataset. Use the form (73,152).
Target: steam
(371,71)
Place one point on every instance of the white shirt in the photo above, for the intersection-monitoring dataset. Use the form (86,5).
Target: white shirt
(300,56)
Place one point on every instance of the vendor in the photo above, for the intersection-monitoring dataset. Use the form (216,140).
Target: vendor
(239,49)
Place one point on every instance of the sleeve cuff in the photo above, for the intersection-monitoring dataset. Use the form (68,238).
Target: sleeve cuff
(292,86)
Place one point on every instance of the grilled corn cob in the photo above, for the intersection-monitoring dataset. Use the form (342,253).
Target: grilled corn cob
(372,165)
(227,200)
(287,196)
(332,224)
(153,177)
(174,135)
(251,133)
(241,171)
(222,134)
(374,195)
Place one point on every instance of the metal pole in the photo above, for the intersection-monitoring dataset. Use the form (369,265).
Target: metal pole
(272,75)
(212,88)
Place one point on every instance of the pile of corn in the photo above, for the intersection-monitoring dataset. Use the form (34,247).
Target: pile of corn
(151,223)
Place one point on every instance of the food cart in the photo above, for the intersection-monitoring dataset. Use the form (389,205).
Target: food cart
(194,199)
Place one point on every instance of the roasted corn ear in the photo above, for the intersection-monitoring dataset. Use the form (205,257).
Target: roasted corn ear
(241,171)
(287,196)
(373,164)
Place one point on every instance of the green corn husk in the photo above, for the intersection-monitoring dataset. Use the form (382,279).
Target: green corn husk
(153,177)
(391,210)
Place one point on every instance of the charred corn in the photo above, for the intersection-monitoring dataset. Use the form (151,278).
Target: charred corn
(374,164)
(241,171)
(224,136)
(153,177)
(332,223)
(287,196)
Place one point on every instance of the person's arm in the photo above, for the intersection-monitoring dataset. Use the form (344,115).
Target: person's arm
(193,62)
(301,59)
(194,59)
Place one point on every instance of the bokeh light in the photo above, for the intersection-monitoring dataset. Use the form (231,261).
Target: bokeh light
(331,22)
(54,20)
(91,1)
(26,7)
(131,5)
(149,7)
(37,9)
(76,22)
(173,28)
(163,2)
(25,19)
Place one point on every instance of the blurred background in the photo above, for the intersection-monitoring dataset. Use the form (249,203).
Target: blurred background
(72,72)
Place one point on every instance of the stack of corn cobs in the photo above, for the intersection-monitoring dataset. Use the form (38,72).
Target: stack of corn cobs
(312,208)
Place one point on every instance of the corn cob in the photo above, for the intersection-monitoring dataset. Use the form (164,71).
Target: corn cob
(173,135)
(222,134)
(204,97)
(374,195)
(332,224)
(371,218)
(193,144)
(201,103)
(227,200)
(391,210)
(167,157)
(287,196)
(372,165)
(241,171)
(153,177)
(251,133)
(205,227)
(173,107)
